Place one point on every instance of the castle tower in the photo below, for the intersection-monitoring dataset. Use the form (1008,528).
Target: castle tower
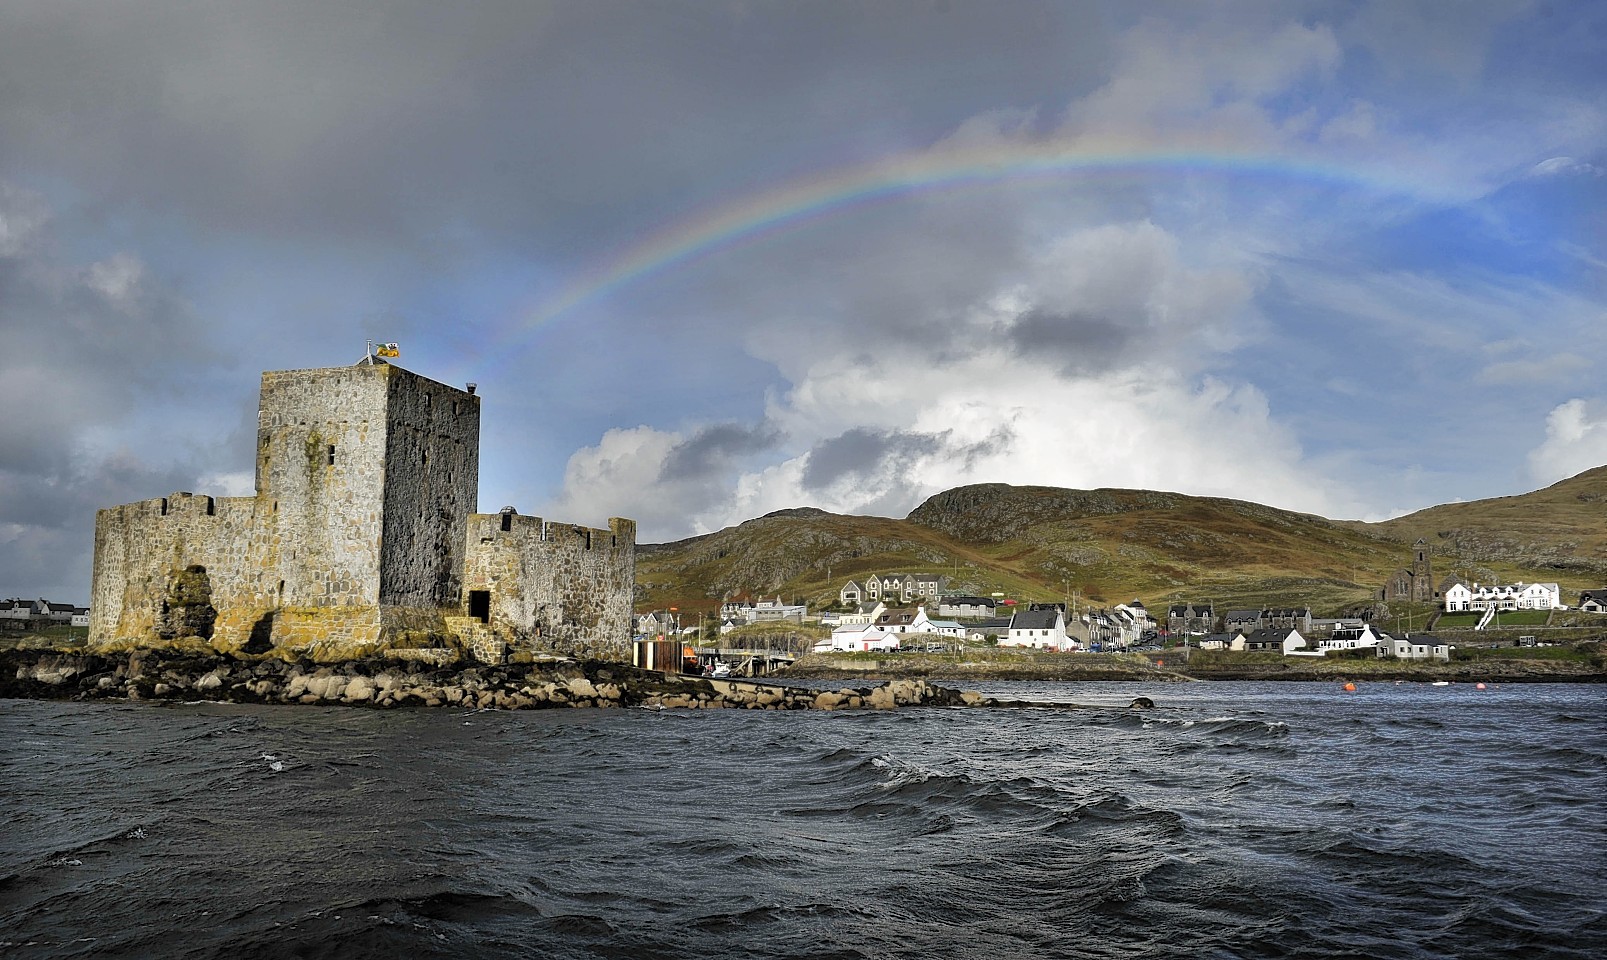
(366,476)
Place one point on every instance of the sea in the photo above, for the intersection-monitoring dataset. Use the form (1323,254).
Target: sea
(1232,820)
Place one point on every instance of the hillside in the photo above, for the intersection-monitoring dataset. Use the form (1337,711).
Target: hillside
(1108,546)
(1562,529)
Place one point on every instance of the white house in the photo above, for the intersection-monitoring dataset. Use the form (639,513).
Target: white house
(1350,640)
(1421,647)
(925,624)
(858,638)
(1460,597)
(16,610)
(80,617)
(1043,629)
(1285,640)
(1593,601)
(863,616)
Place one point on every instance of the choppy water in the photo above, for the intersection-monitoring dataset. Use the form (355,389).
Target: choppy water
(1237,820)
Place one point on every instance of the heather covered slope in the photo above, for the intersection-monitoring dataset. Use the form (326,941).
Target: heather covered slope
(1110,546)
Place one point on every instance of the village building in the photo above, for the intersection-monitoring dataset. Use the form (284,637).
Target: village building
(1241,621)
(894,588)
(1414,584)
(1422,646)
(1043,629)
(1191,618)
(1461,597)
(1593,601)
(967,608)
(1284,640)
(1350,640)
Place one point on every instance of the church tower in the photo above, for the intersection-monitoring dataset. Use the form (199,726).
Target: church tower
(1422,572)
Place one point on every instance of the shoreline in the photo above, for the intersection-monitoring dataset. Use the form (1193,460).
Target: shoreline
(1131,668)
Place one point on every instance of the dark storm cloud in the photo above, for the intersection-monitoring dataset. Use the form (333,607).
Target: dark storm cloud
(84,350)
(1079,342)
(857,451)
(713,450)
(553,121)
(863,451)
(80,347)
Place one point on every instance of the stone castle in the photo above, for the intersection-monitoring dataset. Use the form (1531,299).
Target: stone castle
(361,540)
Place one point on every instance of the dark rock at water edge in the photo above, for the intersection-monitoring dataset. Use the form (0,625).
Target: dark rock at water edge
(152,675)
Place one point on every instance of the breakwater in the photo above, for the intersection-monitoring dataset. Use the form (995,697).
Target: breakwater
(151,675)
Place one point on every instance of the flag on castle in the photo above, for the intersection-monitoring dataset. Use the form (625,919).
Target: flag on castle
(388,350)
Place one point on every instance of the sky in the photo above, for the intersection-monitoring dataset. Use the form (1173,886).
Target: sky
(707,260)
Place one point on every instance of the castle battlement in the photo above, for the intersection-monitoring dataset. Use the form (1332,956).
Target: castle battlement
(361,537)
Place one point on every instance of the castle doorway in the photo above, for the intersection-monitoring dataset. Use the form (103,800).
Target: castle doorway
(480,605)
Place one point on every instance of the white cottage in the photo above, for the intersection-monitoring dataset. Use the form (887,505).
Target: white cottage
(1421,647)
(1043,629)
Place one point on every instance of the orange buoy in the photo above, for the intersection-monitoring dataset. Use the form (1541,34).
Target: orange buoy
(1350,687)
(1479,687)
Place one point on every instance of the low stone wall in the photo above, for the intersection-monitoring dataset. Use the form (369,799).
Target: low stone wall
(984,665)
(149,675)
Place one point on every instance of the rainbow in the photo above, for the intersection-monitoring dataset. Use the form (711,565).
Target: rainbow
(788,205)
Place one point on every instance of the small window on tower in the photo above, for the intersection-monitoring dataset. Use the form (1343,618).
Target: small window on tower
(331,454)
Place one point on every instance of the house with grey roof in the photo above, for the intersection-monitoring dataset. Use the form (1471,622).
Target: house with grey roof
(1422,646)
(1043,629)
(1242,621)
(1593,601)
(1196,618)
(968,608)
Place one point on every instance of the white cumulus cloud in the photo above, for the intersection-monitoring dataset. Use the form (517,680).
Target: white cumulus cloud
(1576,440)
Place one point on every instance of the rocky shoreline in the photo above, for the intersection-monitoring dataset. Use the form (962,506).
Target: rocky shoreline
(548,683)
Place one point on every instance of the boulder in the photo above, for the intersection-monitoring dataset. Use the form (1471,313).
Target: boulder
(359,689)
(581,687)
(881,698)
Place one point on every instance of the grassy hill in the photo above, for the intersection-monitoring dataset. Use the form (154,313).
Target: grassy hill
(1111,546)
(1559,533)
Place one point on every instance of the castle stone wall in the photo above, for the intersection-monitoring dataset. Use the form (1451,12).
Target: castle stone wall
(432,464)
(143,552)
(554,586)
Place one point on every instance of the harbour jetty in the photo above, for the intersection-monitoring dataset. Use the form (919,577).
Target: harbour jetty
(388,683)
